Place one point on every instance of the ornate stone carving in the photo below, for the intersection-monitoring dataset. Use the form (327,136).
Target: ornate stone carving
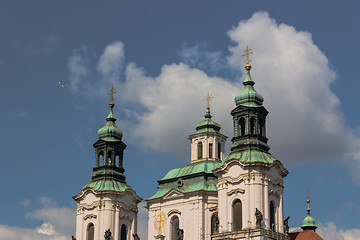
(173,211)
(236,191)
(90,216)
(107,234)
(273,192)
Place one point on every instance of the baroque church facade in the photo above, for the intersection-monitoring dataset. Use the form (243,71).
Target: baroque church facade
(214,197)
(238,196)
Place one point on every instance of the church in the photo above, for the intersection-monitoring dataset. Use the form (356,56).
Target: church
(214,197)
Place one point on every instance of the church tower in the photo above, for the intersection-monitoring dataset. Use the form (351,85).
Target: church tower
(107,206)
(184,207)
(250,180)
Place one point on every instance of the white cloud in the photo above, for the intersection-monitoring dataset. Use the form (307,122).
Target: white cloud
(58,223)
(77,65)
(305,121)
(142,221)
(109,68)
(171,105)
(329,231)
(26,203)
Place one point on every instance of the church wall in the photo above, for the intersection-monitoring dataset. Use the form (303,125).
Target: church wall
(106,212)
(194,211)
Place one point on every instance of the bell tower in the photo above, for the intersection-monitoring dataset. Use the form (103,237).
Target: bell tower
(107,206)
(250,180)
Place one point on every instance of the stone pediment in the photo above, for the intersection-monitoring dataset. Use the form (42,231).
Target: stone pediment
(173,194)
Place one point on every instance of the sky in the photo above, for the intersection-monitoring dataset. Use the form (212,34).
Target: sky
(163,57)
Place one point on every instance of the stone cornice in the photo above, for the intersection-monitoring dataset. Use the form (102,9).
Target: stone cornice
(84,192)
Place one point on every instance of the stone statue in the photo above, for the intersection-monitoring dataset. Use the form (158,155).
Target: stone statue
(136,237)
(180,233)
(286,225)
(73,238)
(107,234)
(259,218)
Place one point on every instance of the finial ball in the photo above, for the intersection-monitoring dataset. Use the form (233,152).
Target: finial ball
(247,67)
(308,201)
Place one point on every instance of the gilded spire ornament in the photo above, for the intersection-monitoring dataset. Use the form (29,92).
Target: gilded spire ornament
(208,99)
(112,92)
(247,54)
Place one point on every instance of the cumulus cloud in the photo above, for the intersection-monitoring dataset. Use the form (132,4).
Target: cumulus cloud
(58,223)
(290,71)
(173,104)
(108,70)
(142,221)
(329,231)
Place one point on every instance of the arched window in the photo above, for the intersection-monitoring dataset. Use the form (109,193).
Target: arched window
(101,158)
(219,151)
(261,127)
(175,228)
(210,150)
(200,150)
(214,223)
(123,232)
(272,216)
(252,126)
(242,126)
(90,232)
(237,215)
(117,160)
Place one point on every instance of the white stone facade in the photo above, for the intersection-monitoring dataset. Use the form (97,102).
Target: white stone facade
(194,211)
(106,211)
(216,140)
(256,187)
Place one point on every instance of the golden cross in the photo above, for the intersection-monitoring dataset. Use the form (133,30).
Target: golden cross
(208,99)
(247,54)
(307,193)
(112,91)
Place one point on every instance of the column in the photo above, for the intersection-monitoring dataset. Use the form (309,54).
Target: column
(266,202)
(281,213)
(116,226)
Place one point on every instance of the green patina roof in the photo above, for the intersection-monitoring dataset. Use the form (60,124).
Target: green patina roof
(207,125)
(195,176)
(110,132)
(248,97)
(107,185)
(309,222)
(250,156)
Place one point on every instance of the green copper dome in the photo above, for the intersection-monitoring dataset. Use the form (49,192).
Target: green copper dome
(309,222)
(110,132)
(248,97)
(207,125)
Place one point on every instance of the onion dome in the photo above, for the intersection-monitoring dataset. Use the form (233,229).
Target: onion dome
(309,222)
(110,132)
(248,97)
(207,125)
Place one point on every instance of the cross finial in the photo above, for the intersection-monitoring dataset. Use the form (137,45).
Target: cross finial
(308,193)
(112,91)
(208,99)
(247,54)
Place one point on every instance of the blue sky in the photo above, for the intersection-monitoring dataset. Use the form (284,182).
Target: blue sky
(163,57)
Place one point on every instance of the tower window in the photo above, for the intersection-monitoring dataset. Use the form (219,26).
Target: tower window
(200,150)
(175,228)
(237,215)
(272,216)
(252,126)
(219,151)
(123,232)
(210,150)
(261,127)
(214,223)
(242,126)
(90,232)
(109,159)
